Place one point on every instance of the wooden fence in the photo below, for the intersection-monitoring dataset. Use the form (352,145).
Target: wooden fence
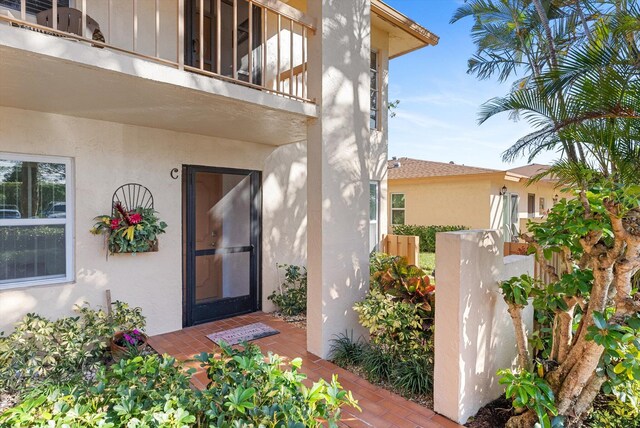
(402,245)
(518,248)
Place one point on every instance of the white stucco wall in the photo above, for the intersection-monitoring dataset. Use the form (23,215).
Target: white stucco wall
(339,153)
(474,335)
(284,232)
(107,155)
(346,155)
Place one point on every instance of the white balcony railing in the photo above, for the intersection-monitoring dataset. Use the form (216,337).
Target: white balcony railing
(262,44)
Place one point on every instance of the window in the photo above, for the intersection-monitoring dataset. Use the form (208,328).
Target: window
(531,204)
(510,217)
(33,6)
(397,208)
(542,205)
(375,91)
(374,215)
(36,225)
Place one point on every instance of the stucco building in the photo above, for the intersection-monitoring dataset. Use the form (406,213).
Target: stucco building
(259,127)
(435,193)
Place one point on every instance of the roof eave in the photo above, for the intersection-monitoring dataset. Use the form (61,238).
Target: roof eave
(405,24)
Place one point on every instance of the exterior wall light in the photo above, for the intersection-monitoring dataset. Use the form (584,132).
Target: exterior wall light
(555,199)
(503,191)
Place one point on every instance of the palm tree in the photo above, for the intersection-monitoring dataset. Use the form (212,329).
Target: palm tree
(583,92)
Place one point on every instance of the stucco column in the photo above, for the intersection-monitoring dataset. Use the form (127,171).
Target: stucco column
(474,335)
(338,175)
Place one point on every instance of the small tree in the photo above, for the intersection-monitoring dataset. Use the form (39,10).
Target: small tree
(595,333)
(581,93)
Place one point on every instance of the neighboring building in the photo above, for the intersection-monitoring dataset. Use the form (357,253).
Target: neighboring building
(257,127)
(435,193)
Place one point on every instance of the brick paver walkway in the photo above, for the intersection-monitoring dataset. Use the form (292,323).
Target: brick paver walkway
(380,408)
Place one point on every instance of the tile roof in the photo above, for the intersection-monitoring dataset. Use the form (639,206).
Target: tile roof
(415,168)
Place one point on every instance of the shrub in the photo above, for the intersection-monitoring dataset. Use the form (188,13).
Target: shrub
(398,312)
(143,391)
(246,390)
(406,282)
(401,344)
(291,297)
(427,234)
(619,409)
(394,325)
(58,351)
(380,262)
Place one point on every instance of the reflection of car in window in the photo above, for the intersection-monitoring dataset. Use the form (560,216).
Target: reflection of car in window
(9,213)
(55,210)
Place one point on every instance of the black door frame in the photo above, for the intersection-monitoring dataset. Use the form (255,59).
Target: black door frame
(233,305)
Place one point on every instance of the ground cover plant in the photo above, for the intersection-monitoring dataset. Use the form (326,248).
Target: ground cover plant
(398,312)
(578,86)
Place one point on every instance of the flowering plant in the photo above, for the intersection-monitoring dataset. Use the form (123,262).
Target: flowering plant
(127,344)
(134,231)
(131,338)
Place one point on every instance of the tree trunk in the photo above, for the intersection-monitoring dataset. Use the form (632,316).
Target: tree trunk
(524,360)
(525,420)
(29,190)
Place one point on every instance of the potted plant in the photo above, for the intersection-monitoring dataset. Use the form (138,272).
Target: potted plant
(134,231)
(127,343)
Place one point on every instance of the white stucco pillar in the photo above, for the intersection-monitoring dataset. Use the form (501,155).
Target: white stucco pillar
(474,335)
(338,176)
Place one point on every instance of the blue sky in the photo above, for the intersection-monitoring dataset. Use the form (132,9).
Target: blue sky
(439,102)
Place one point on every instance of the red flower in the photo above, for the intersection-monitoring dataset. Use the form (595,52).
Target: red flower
(115,223)
(135,218)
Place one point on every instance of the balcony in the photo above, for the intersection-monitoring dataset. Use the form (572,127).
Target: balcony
(213,64)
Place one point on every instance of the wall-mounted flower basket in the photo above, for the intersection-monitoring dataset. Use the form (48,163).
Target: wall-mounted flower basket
(133,226)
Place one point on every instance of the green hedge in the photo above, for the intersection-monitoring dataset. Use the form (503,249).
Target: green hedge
(427,234)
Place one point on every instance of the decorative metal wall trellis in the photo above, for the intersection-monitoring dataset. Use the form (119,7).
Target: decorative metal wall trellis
(132,196)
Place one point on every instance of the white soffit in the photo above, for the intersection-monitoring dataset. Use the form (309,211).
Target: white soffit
(101,84)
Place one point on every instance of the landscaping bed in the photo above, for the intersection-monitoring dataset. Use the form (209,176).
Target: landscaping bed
(62,373)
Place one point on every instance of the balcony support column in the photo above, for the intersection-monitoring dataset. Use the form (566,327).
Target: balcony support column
(338,170)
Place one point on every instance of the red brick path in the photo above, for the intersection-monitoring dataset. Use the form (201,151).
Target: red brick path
(380,408)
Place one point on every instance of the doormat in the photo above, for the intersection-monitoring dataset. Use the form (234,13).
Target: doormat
(245,333)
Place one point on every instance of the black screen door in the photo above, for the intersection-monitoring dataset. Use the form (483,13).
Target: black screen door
(222,243)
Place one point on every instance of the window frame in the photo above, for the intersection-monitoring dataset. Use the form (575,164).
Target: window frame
(71,3)
(531,205)
(377,219)
(403,209)
(375,70)
(68,221)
